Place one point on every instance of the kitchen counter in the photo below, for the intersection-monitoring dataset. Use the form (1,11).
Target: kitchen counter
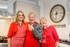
(3,44)
(63,45)
(6,45)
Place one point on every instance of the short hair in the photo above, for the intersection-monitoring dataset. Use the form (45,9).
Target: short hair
(43,18)
(31,13)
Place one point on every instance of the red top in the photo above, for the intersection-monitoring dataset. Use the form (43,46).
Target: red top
(30,40)
(50,37)
(13,29)
(19,38)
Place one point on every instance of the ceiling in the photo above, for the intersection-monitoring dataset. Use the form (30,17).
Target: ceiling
(3,1)
(37,0)
(30,0)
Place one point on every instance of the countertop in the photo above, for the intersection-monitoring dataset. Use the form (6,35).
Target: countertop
(3,43)
(64,45)
(61,44)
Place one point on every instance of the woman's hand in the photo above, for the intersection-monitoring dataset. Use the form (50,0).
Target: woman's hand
(30,27)
(9,42)
(57,44)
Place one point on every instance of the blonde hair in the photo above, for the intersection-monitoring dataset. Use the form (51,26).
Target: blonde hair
(42,18)
(31,13)
(17,14)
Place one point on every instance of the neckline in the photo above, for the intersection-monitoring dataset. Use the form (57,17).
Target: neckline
(46,27)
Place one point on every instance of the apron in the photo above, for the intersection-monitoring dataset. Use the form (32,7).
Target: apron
(18,39)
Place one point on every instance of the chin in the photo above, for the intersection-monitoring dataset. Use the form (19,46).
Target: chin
(21,19)
(32,21)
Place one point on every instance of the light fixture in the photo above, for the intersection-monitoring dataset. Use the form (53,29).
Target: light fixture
(9,17)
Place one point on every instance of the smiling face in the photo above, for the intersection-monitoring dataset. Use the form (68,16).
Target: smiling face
(31,17)
(43,21)
(20,16)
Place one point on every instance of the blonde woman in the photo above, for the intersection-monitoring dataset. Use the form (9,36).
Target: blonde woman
(17,31)
(50,36)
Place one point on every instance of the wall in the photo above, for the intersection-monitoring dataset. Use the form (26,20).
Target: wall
(10,4)
(3,5)
(48,4)
(40,3)
(4,26)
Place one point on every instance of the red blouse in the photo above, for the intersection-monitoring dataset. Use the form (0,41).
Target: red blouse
(30,40)
(50,37)
(13,29)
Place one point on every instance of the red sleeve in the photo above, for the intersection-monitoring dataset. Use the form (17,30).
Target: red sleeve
(10,32)
(26,24)
(55,35)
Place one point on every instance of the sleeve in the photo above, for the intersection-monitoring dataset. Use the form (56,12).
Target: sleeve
(55,35)
(26,25)
(10,32)
(37,31)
